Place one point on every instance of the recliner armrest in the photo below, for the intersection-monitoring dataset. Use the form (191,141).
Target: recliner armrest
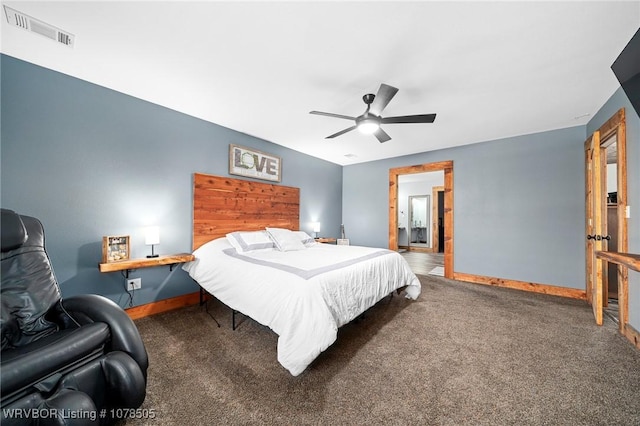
(26,365)
(125,337)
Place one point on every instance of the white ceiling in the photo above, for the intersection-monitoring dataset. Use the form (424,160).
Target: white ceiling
(488,69)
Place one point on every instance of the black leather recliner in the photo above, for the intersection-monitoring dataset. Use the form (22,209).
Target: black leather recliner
(73,361)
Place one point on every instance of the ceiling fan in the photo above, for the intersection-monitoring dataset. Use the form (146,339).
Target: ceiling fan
(370,121)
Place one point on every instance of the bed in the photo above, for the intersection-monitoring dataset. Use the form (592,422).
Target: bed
(251,256)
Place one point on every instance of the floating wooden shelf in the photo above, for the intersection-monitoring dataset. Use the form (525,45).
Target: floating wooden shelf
(146,262)
(325,240)
(626,259)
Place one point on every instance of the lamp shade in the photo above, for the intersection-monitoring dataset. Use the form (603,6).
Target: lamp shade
(151,235)
(316,226)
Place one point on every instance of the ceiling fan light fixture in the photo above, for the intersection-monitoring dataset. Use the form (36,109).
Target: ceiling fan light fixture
(368,125)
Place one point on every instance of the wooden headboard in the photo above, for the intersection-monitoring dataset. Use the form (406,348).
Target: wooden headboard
(222,205)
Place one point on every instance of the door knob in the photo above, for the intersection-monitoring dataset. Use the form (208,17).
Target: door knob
(598,237)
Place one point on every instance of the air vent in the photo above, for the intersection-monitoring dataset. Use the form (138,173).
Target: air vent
(33,25)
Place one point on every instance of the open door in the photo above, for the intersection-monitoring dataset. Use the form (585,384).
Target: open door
(595,207)
(610,139)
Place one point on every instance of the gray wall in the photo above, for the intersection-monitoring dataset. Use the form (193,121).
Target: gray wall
(518,206)
(89,161)
(617,101)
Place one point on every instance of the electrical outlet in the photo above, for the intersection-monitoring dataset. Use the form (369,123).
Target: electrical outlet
(134,283)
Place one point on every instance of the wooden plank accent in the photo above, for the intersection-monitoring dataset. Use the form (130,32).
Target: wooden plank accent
(598,164)
(165,305)
(393,210)
(623,222)
(588,230)
(145,262)
(610,127)
(448,222)
(223,204)
(423,168)
(630,260)
(522,285)
(632,334)
(326,240)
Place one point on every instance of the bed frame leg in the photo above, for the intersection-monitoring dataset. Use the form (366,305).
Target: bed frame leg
(206,303)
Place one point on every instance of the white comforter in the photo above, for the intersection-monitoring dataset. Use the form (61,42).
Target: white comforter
(304,295)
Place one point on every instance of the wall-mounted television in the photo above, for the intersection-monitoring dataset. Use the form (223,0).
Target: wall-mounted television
(627,70)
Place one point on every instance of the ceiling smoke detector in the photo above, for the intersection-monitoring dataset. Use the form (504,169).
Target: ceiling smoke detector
(33,25)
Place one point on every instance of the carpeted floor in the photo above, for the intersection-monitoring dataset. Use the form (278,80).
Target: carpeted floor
(461,354)
(438,270)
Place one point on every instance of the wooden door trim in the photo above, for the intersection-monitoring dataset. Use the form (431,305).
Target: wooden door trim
(597,161)
(447,167)
(435,234)
(623,223)
(611,126)
(588,225)
(614,126)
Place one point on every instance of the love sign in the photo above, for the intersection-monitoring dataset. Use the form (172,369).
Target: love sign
(252,163)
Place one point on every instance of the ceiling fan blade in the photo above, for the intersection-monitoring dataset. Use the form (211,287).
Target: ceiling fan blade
(341,132)
(330,114)
(382,135)
(420,118)
(382,99)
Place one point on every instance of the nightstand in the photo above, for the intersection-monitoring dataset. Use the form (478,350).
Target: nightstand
(146,262)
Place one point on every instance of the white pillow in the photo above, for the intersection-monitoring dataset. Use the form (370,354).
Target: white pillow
(285,239)
(244,241)
(306,239)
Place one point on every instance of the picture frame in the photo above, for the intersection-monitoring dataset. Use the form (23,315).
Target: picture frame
(115,248)
(250,162)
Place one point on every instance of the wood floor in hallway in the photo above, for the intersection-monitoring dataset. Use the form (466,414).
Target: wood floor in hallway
(422,263)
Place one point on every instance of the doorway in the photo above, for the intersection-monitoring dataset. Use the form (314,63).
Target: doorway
(419,222)
(606,219)
(610,244)
(416,218)
(447,207)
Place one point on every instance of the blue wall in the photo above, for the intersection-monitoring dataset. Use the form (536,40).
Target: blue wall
(518,206)
(617,101)
(89,161)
